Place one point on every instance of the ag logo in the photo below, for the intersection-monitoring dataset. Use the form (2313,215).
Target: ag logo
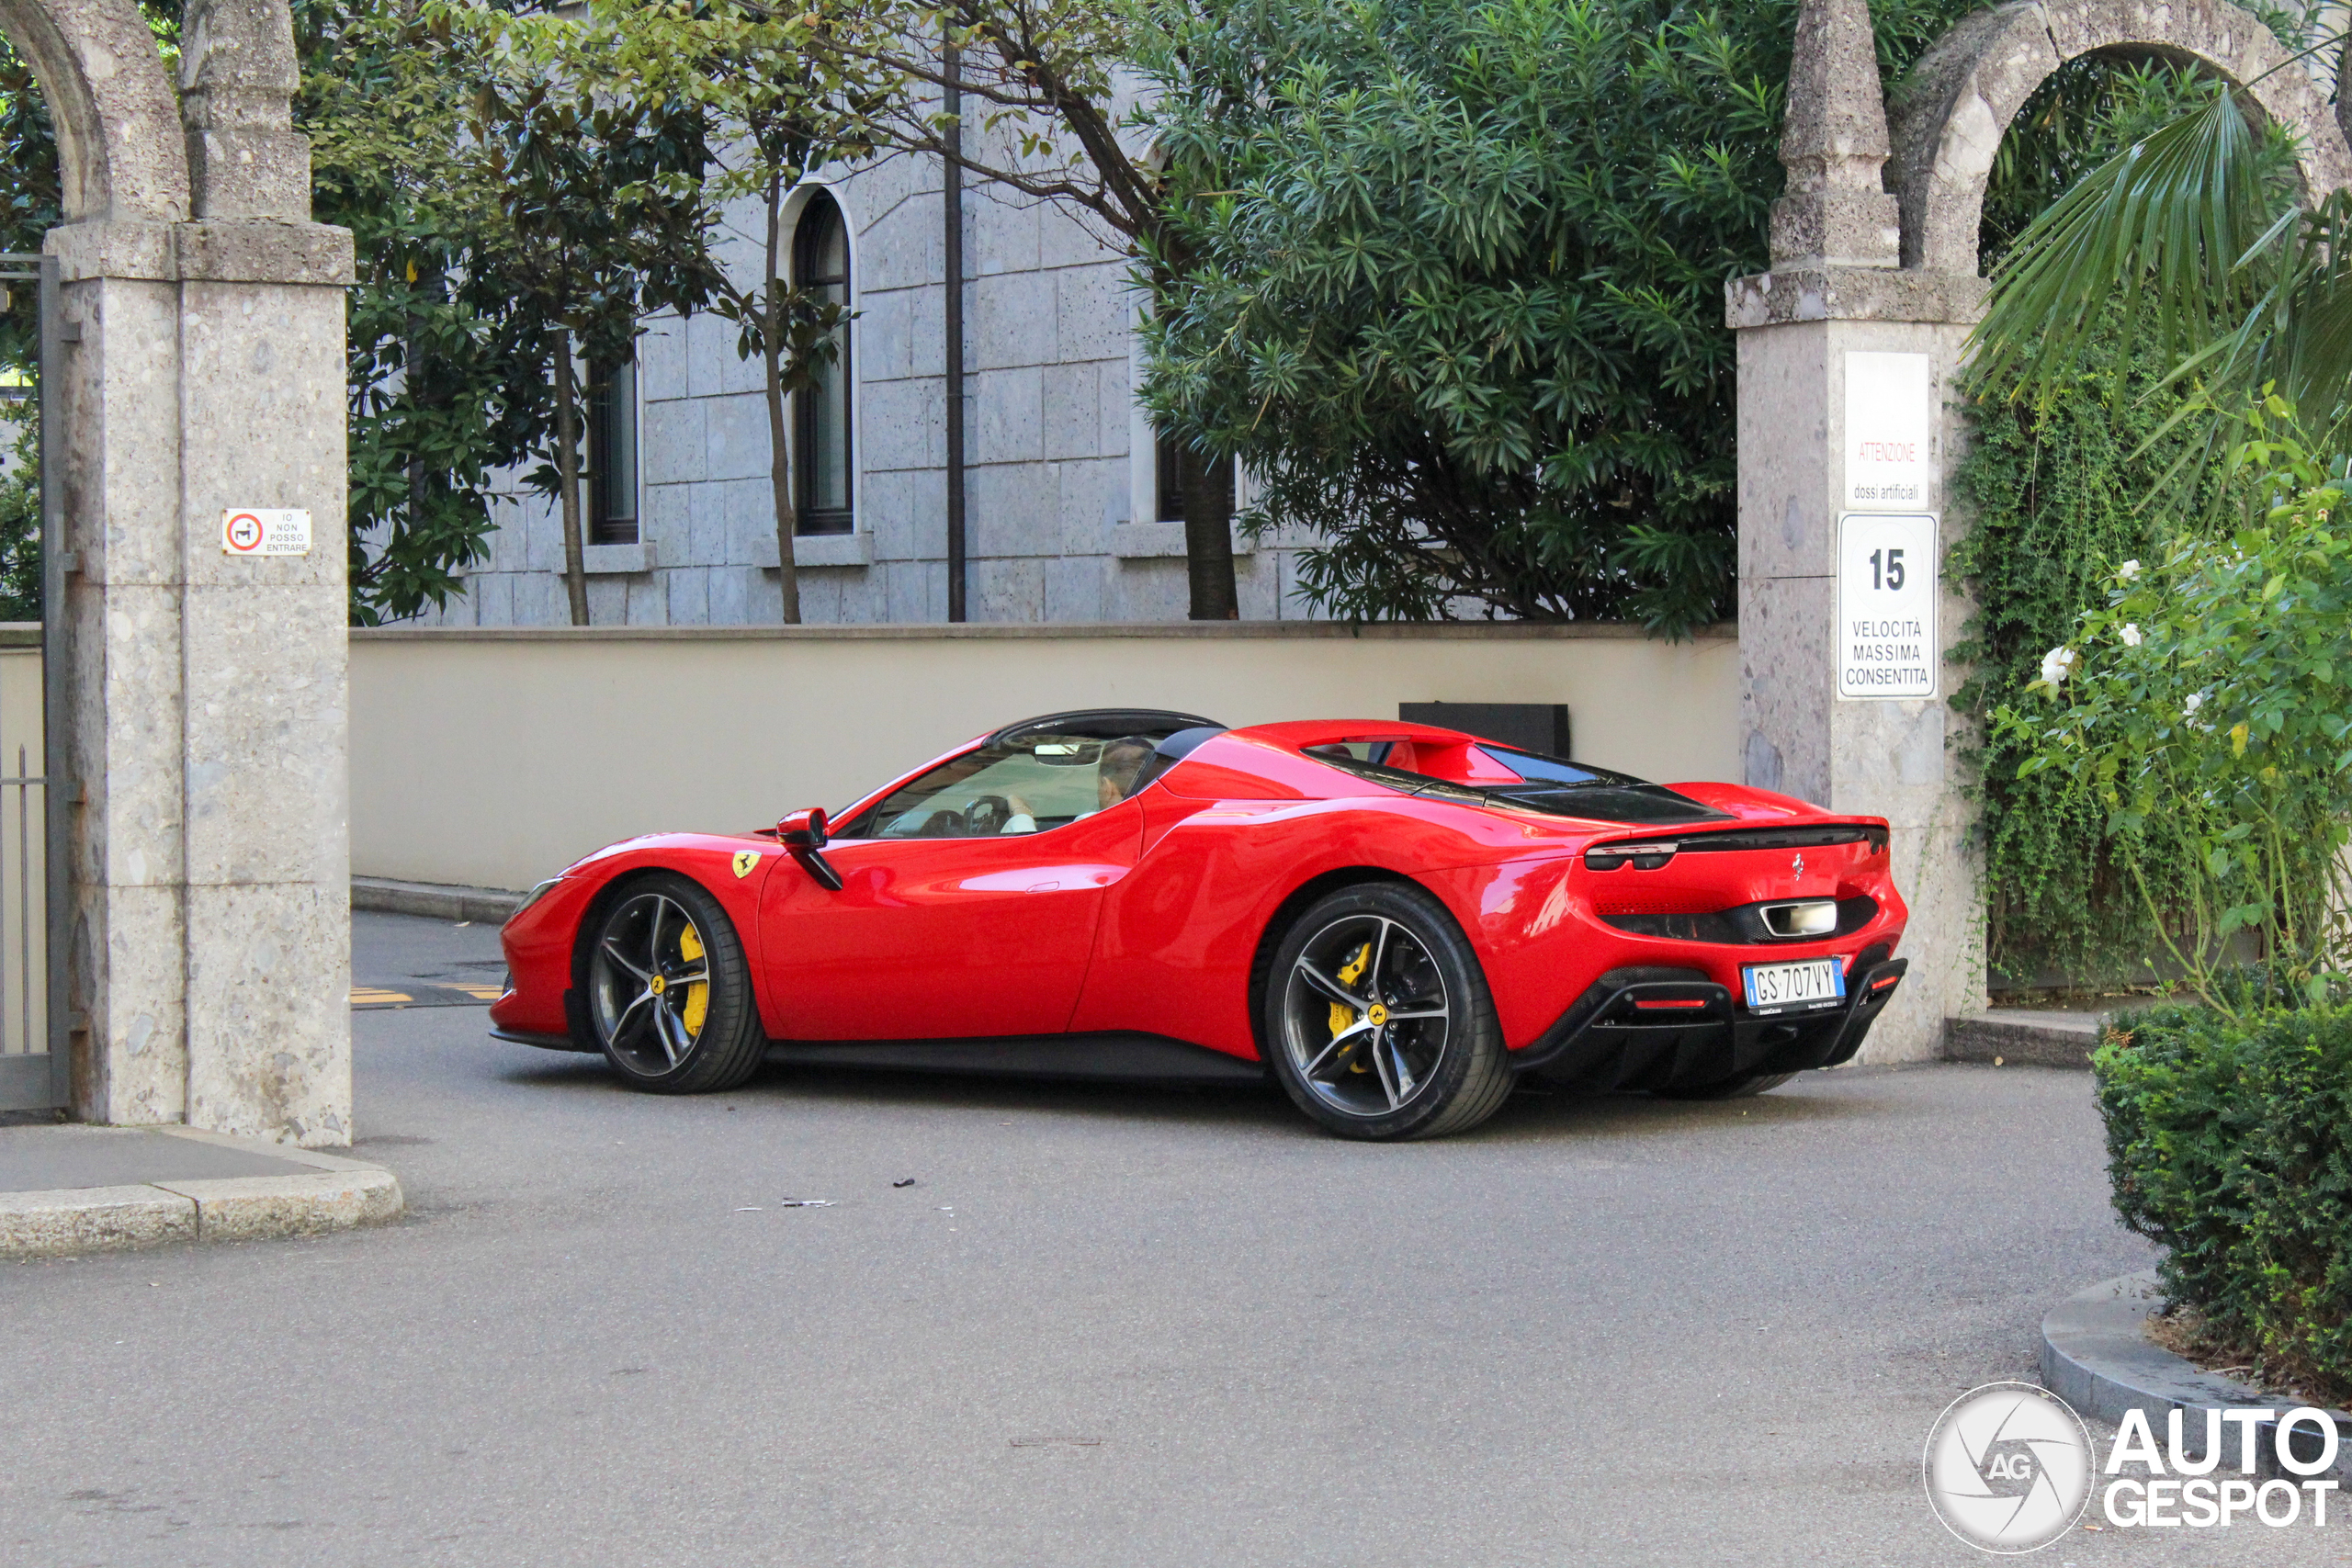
(2008,1468)
(744,861)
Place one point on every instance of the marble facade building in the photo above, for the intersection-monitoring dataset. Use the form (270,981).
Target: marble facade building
(1062,485)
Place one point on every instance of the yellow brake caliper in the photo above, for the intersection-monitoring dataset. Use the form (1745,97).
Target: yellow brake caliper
(1342,1015)
(698,994)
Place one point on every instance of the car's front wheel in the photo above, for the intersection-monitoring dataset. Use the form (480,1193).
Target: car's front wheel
(669,989)
(1378,1019)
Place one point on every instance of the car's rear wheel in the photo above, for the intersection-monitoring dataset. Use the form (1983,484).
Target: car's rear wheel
(1729,1089)
(1378,1019)
(669,990)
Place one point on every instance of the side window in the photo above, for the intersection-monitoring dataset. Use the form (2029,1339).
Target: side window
(1031,785)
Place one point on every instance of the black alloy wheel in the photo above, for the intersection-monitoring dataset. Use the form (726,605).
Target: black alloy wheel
(1378,1019)
(669,990)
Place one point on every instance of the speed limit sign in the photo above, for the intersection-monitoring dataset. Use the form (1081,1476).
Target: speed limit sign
(1886,604)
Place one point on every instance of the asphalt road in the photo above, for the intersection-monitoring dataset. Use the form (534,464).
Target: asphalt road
(1116,1327)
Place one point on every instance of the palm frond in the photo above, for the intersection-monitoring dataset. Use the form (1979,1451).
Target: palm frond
(2179,223)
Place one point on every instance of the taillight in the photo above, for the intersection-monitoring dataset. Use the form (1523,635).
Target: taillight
(1646,857)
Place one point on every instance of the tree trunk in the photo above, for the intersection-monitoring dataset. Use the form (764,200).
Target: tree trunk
(787,516)
(567,471)
(1208,499)
(1208,537)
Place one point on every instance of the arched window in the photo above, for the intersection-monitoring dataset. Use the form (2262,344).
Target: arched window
(822,416)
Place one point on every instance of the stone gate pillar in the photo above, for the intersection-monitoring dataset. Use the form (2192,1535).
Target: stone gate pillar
(1847,426)
(204,374)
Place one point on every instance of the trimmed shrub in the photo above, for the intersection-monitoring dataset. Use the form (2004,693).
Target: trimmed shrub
(2230,1144)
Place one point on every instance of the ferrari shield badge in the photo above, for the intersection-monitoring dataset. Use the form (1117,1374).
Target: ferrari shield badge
(744,861)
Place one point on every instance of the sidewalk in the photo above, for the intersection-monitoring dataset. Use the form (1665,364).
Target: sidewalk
(68,1188)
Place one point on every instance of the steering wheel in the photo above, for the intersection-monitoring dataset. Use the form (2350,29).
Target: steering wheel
(986,816)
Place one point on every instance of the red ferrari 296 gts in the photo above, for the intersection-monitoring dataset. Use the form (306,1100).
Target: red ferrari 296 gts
(1393,920)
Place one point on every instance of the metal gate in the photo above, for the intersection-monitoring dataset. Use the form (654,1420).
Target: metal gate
(36,892)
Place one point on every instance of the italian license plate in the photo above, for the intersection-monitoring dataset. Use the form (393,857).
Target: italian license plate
(1772,988)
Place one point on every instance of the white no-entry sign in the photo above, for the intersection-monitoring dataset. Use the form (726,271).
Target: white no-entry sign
(264,530)
(1886,604)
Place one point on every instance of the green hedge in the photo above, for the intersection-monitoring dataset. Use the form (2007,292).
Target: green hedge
(2230,1146)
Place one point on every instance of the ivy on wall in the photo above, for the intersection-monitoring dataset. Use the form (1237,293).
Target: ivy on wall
(2061,498)
(2061,495)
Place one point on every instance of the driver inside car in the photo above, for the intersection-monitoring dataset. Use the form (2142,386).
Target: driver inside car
(1115,777)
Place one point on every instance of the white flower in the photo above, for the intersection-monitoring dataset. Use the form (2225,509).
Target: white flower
(2054,665)
(2196,700)
(2130,635)
(2128,570)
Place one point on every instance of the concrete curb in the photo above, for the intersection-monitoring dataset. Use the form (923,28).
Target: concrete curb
(334,1193)
(441,900)
(2024,1038)
(2096,1356)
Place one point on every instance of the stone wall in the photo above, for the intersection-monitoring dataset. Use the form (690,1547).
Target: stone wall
(495,757)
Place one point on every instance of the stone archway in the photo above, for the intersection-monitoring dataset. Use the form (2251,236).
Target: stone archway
(1875,267)
(119,144)
(201,372)
(1963,93)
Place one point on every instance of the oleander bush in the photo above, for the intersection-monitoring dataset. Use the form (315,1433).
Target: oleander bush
(2230,1144)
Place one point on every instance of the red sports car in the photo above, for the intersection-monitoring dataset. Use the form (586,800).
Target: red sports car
(1396,921)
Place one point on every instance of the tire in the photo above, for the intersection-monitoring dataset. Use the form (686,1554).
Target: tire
(1729,1089)
(668,989)
(1356,956)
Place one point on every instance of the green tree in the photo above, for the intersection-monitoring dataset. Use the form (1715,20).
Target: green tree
(594,236)
(1027,95)
(20,511)
(2193,233)
(28,208)
(450,377)
(785,110)
(2102,465)
(1447,277)
(437,402)
(2060,491)
(1452,291)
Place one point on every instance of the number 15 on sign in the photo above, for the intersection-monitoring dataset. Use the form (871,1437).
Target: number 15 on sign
(1887,645)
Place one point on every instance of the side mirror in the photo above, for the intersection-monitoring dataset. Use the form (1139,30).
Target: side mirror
(802,834)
